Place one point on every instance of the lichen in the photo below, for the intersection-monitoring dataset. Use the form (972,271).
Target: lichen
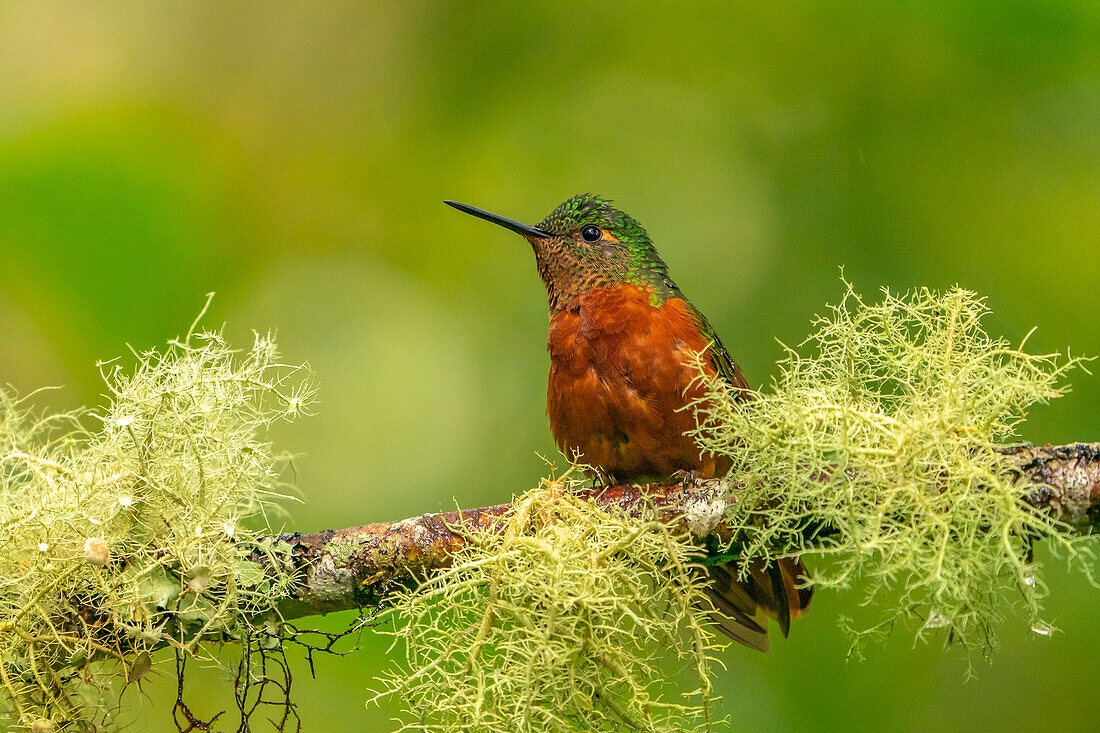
(566,618)
(341,549)
(878,447)
(126,528)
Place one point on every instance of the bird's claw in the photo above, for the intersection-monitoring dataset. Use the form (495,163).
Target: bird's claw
(602,479)
(687,479)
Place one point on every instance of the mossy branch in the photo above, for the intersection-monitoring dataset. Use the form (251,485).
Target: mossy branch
(354,567)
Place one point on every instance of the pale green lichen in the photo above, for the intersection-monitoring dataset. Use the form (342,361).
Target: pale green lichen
(126,528)
(342,549)
(883,429)
(570,618)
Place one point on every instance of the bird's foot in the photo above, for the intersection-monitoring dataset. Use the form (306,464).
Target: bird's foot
(687,479)
(602,479)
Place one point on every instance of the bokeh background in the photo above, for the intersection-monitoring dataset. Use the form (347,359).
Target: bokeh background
(293,158)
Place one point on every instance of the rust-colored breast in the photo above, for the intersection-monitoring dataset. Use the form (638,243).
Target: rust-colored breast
(618,381)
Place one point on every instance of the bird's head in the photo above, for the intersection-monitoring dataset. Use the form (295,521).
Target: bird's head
(587,243)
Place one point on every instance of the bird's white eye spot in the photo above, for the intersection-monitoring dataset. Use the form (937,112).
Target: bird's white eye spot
(591,233)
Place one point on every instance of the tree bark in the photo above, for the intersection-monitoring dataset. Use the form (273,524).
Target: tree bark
(354,567)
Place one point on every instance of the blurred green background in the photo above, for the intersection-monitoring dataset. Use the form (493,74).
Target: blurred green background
(294,157)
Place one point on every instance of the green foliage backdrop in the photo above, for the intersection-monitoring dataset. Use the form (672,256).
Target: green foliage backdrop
(294,160)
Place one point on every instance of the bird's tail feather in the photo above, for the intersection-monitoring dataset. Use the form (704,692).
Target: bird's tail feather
(741,607)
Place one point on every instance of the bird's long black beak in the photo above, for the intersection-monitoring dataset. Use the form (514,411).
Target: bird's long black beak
(525,230)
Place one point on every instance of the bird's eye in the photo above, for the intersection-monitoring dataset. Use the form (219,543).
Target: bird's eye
(591,233)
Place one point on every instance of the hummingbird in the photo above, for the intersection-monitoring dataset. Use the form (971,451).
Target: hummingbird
(622,342)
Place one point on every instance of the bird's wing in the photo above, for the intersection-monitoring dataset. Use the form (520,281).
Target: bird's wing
(720,358)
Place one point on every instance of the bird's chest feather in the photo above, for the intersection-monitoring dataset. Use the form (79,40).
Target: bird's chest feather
(619,375)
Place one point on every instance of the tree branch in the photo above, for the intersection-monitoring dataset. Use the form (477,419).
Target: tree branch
(350,568)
